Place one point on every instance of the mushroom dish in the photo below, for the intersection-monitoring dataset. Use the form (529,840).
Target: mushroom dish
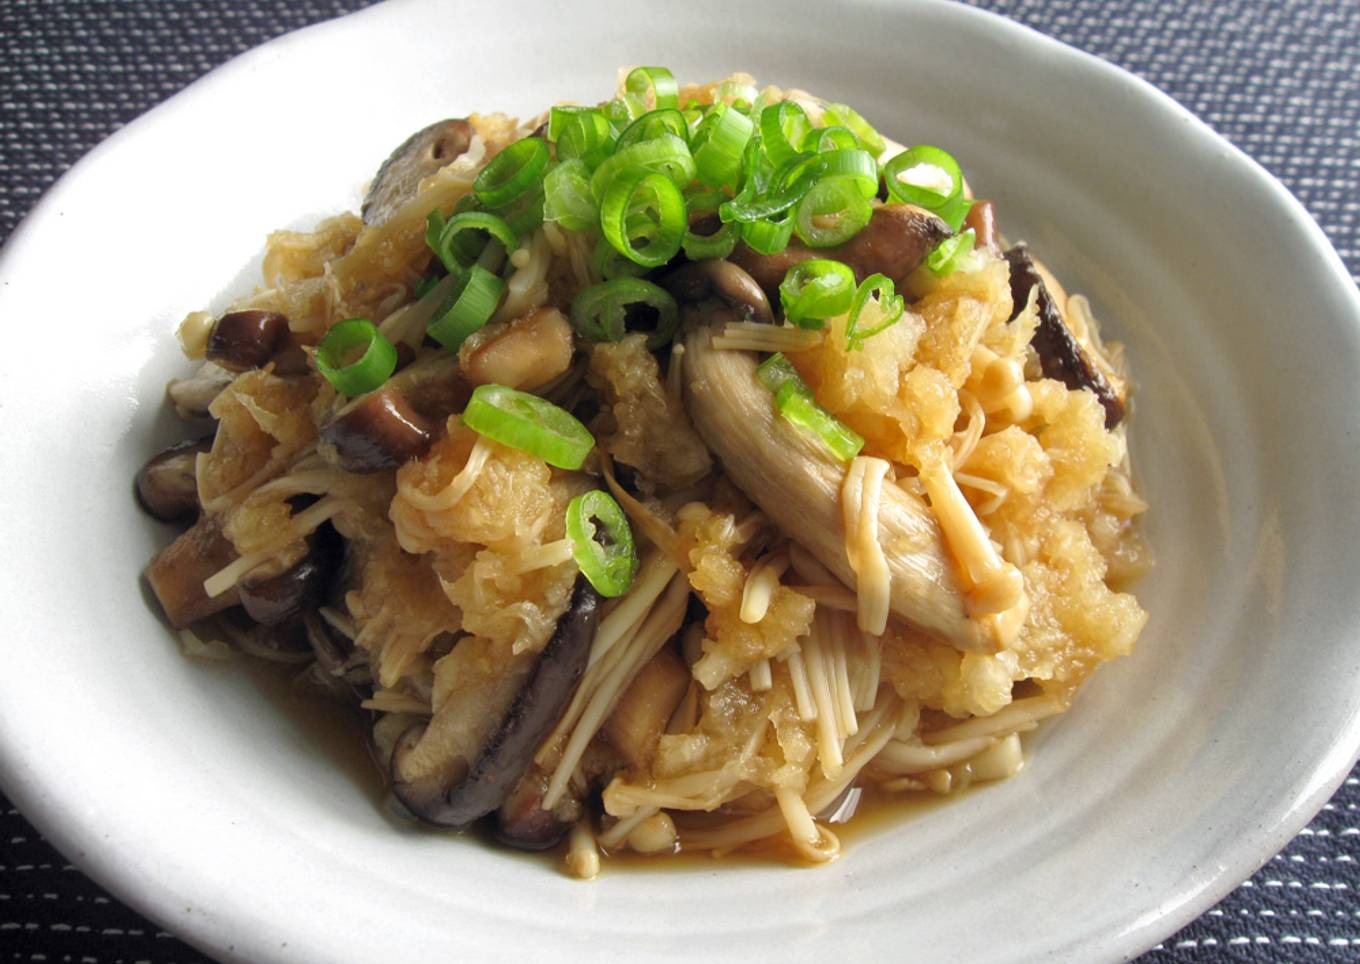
(670,474)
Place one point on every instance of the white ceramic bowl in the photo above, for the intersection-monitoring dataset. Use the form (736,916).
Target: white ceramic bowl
(220,808)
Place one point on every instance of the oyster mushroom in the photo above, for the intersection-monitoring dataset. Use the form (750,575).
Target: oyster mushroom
(419,156)
(167,486)
(797,484)
(1061,354)
(450,782)
(894,242)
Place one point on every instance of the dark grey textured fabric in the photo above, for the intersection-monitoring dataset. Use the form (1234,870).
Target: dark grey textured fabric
(1279,79)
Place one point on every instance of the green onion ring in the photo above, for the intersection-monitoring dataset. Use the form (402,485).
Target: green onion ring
(567,199)
(719,145)
(856,164)
(474,299)
(664,120)
(944,260)
(846,116)
(581,132)
(838,198)
(374,365)
(783,127)
(815,290)
(458,252)
(602,542)
(609,264)
(652,88)
(768,235)
(665,153)
(530,424)
(600,312)
(787,186)
(834,138)
(512,173)
(890,304)
(647,207)
(718,244)
(920,195)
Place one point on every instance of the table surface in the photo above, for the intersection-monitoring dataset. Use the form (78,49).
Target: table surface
(1281,80)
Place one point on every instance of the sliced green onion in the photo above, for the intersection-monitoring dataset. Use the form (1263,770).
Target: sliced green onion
(355,357)
(815,290)
(719,144)
(424,285)
(877,289)
(457,250)
(652,88)
(474,299)
(775,371)
(524,214)
(834,211)
(846,116)
(513,172)
(783,127)
(787,186)
(717,244)
(621,112)
(955,212)
(645,208)
(736,94)
(530,424)
(949,253)
(665,120)
(834,138)
(796,404)
(602,542)
(610,264)
(581,132)
(567,199)
(665,153)
(601,312)
(768,235)
(925,176)
(853,163)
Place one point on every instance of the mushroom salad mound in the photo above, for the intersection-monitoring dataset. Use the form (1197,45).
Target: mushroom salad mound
(662,475)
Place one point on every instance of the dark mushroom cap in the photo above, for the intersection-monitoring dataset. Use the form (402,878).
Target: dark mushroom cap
(717,276)
(531,716)
(281,597)
(521,821)
(1060,354)
(379,431)
(167,486)
(894,243)
(246,339)
(419,156)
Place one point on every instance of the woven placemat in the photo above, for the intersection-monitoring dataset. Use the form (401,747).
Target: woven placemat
(1279,79)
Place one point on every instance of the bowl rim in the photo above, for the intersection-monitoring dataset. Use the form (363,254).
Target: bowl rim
(101,856)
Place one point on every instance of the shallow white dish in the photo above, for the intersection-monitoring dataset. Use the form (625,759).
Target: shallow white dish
(216,806)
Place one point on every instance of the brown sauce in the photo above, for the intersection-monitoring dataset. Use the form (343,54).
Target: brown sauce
(340,734)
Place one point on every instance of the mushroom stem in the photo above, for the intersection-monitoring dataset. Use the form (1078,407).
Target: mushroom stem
(509,752)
